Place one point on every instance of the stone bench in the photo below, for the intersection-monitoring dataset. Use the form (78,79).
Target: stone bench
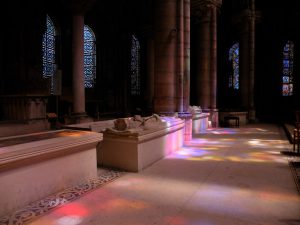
(242,117)
(235,119)
(37,165)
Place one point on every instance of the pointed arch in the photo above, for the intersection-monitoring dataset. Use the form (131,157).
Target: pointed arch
(288,69)
(89,57)
(235,67)
(135,66)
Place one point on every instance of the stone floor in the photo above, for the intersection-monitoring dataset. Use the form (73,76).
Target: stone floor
(227,176)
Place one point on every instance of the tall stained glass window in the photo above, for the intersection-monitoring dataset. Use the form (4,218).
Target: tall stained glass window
(89,57)
(48,51)
(135,66)
(287,69)
(235,72)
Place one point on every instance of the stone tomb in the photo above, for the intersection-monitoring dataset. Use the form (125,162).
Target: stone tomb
(200,122)
(37,165)
(136,148)
(200,119)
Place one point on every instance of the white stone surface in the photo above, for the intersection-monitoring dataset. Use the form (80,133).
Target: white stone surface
(98,126)
(200,122)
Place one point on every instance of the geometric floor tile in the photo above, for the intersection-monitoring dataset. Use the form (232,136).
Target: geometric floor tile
(38,208)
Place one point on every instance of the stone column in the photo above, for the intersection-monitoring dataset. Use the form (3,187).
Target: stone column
(213,68)
(78,10)
(247,60)
(180,54)
(244,62)
(203,60)
(150,73)
(252,116)
(78,65)
(165,56)
(187,41)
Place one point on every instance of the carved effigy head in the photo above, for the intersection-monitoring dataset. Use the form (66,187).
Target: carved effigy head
(194,109)
(121,124)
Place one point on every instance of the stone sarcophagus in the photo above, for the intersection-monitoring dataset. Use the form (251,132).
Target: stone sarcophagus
(37,165)
(143,142)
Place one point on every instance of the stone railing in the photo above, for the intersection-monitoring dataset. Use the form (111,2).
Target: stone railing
(23,108)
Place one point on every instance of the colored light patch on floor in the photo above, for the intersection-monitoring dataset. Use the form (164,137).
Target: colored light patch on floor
(176,220)
(233,199)
(202,141)
(205,154)
(279,144)
(223,132)
(243,130)
(119,204)
(69,220)
(207,158)
(73,209)
(264,157)
(188,153)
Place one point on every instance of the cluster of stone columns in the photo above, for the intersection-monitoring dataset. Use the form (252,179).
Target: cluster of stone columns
(172,56)
(206,70)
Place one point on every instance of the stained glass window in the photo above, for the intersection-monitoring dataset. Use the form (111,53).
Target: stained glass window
(48,51)
(89,57)
(135,66)
(234,60)
(287,69)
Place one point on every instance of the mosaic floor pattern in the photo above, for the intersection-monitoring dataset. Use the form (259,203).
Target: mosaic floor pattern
(36,209)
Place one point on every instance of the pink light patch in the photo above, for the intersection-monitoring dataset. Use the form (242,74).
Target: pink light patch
(177,220)
(73,209)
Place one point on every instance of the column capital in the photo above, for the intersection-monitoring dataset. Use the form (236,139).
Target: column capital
(200,9)
(78,6)
(204,4)
(241,19)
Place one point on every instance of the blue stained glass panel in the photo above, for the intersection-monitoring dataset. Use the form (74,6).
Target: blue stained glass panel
(48,52)
(285,89)
(135,66)
(286,63)
(234,59)
(89,57)
(287,69)
(285,79)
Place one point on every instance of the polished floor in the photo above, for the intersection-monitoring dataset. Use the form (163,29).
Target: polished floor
(227,176)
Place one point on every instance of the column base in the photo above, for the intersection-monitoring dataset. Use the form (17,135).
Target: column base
(188,125)
(213,117)
(252,116)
